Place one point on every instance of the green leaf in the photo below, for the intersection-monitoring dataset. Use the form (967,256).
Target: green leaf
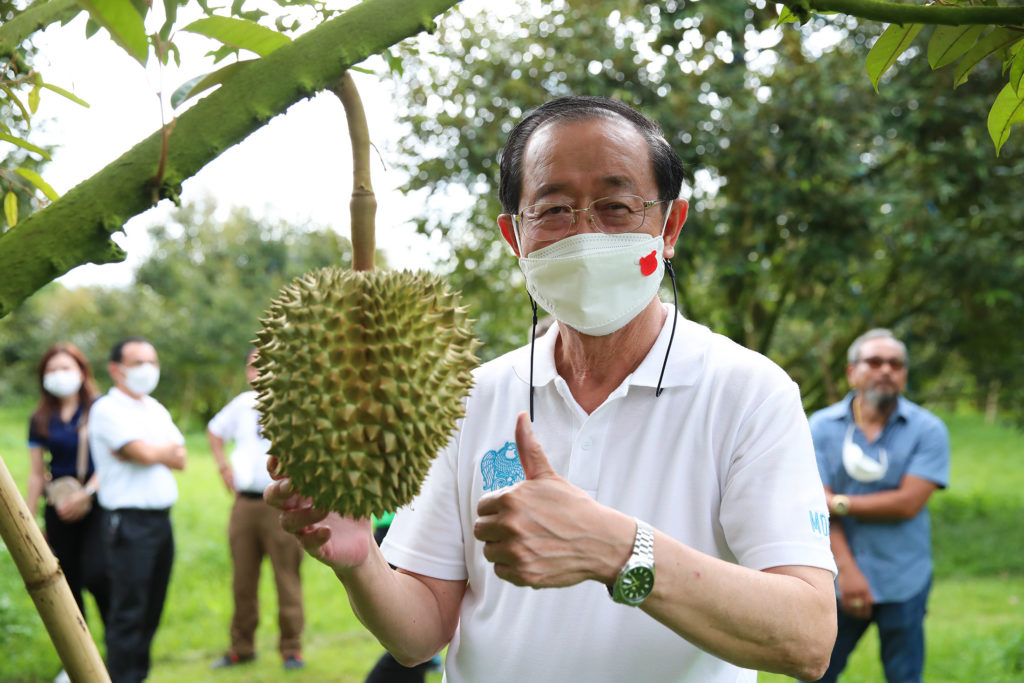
(170,16)
(1017,73)
(37,180)
(123,22)
(1007,111)
(240,33)
(786,17)
(997,40)
(194,86)
(24,145)
(17,102)
(33,99)
(64,93)
(950,43)
(893,42)
(11,208)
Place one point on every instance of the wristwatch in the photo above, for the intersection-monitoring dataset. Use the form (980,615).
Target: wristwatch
(636,578)
(840,504)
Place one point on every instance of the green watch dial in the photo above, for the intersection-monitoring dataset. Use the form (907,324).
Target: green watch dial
(636,584)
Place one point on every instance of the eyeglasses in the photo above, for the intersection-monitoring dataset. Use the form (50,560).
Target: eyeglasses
(615,215)
(875,362)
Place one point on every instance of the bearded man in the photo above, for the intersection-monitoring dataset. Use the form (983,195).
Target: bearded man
(881,457)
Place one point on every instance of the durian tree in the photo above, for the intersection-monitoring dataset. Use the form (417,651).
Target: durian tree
(76,228)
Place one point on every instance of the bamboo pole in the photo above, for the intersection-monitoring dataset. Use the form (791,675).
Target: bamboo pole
(363,205)
(46,584)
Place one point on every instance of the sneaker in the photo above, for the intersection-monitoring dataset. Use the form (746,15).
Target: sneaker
(294,662)
(231,659)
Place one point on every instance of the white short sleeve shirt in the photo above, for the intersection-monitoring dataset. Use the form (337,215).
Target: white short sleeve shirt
(721,461)
(239,421)
(116,419)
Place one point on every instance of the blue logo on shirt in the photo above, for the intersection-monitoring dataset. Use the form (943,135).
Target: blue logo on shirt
(502,468)
(819,522)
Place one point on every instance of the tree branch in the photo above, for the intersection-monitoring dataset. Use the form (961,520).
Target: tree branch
(76,229)
(897,13)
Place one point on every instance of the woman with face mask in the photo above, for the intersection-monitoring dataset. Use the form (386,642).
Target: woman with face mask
(67,390)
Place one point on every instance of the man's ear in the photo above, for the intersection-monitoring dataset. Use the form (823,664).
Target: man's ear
(508,231)
(674,225)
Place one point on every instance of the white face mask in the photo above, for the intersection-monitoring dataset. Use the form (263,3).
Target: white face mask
(595,282)
(142,379)
(62,383)
(858,465)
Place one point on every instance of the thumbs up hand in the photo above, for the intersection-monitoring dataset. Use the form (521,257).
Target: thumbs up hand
(531,453)
(545,532)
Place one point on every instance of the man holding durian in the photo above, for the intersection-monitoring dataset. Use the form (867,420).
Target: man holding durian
(656,480)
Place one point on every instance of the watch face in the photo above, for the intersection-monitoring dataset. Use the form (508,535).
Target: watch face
(636,584)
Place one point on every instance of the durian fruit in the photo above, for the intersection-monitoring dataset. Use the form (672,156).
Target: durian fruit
(362,377)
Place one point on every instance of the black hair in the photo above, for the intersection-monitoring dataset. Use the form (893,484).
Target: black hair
(669,171)
(117,353)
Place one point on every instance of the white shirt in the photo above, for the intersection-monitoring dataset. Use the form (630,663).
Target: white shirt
(115,420)
(721,461)
(238,421)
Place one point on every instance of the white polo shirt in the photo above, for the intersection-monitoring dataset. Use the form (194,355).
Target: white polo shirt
(238,421)
(116,419)
(721,461)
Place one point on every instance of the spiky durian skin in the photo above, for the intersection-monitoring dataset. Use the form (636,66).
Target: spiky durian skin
(362,377)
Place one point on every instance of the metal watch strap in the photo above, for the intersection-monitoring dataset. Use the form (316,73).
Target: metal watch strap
(643,553)
(643,545)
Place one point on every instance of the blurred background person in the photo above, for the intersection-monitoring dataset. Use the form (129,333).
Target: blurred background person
(68,481)
(136,445)
(58,427)
(881,457)
(254,532)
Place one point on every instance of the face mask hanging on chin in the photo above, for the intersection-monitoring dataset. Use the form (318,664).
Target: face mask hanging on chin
(595,282)
(858,465)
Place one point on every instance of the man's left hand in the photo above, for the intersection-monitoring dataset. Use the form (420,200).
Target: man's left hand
(544,532)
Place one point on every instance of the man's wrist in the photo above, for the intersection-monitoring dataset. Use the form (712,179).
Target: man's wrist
(839,505)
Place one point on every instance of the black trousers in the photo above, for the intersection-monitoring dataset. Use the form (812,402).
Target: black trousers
(79,549)
(140,552)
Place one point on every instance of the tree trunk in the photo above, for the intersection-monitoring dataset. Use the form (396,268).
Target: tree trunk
(46,584)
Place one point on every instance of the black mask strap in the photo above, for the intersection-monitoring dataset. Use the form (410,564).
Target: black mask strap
(675,315)
(533,341)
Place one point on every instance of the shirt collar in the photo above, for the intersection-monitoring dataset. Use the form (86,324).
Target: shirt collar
(685,363)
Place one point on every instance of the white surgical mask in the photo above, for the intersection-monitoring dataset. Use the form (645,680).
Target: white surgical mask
(62,383)
(858,465)
(142,379)
(595,282)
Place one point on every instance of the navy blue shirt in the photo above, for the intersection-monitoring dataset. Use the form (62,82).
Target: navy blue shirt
(62,443)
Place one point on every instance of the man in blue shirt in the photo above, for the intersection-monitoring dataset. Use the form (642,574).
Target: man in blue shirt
(880,457)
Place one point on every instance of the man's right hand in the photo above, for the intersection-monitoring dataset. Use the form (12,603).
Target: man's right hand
(855,593)
(339,542)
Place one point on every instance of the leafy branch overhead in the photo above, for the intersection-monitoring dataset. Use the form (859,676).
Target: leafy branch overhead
(77,228)
(966,33)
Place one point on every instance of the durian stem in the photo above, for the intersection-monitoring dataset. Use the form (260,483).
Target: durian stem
(363,206)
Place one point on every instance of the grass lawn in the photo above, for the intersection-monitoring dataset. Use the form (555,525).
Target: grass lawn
(975,626)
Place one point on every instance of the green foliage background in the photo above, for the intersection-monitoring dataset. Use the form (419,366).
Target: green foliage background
(819,208)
